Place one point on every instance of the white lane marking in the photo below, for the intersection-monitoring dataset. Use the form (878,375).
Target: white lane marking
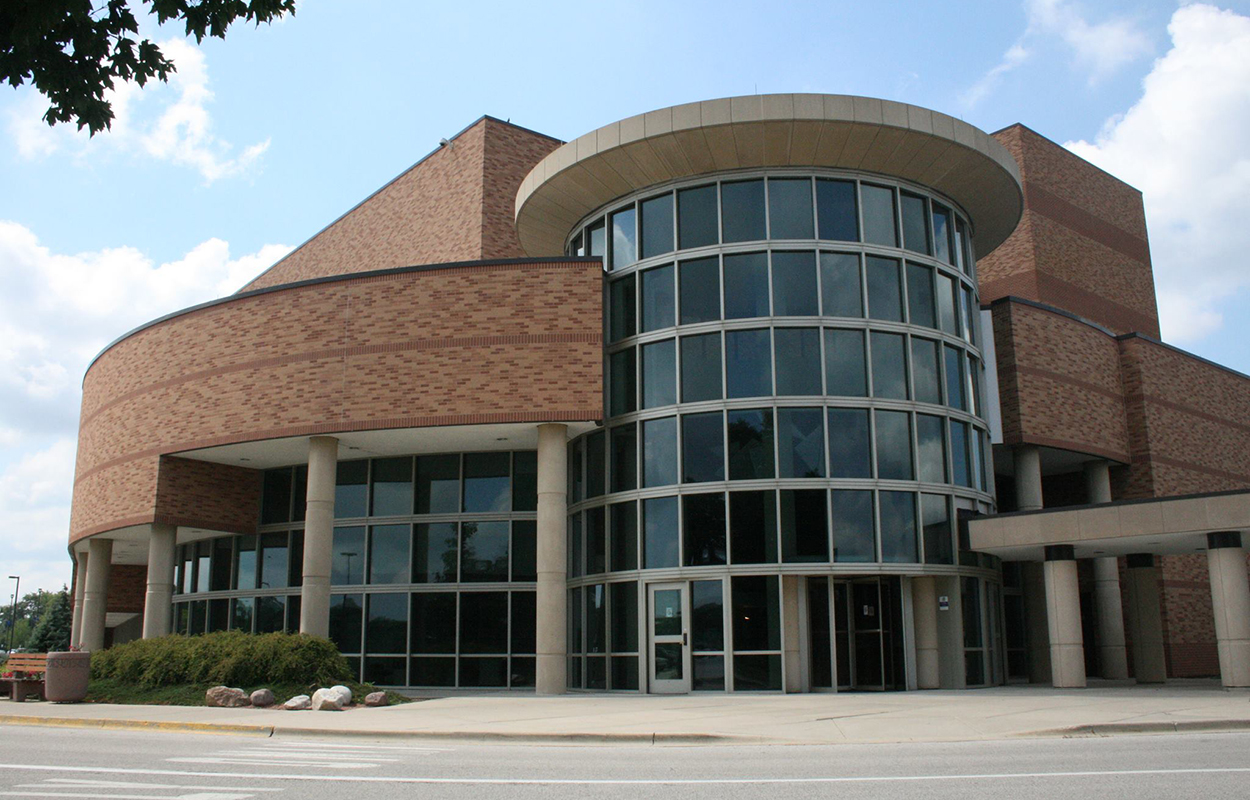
(306,745)
(304,755)
(1113,773)
(78,782)
(96,796)
(261,762)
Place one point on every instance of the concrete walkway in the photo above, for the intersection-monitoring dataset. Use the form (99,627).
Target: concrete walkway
(980,714)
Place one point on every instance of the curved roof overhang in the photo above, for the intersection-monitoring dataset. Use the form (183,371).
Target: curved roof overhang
(779,130)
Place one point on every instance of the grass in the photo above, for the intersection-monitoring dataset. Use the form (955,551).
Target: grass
(105,690)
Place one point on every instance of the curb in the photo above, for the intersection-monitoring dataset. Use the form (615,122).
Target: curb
(136,724)
(1116,728)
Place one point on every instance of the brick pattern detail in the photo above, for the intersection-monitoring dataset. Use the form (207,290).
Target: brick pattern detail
(484,343)
(1081,244)
(456,204)
(128,585)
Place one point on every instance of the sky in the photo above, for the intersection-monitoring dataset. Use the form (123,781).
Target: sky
(262,139)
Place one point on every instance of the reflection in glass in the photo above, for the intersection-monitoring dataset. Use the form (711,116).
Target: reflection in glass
(658,301)
(800,443)
(889,366)
(346,621)
(659,374)
(657,225)
(388,554)
(937,529)
(347,562)
(387,627)
(703,526)
(931,442)
(623,602)
(835,206)
(750,444)
(748,363)
(742,211)
(659,451)
(596,541)
(915,224)
(790,208)
(947,320)
(893,445)
(924,370)
(623,533)
(434,558)
(596,234)
(955,379)
(622,313)
(624,457)
(746,285)
(960,464)
(804,526)
(623,382)
(753,527)
(596,464)
(885,299)
(849,444)
(276,496)
(756,613)
(483,551)
(700,368)
(920,296)
(707,611)
(696,216)
(241,611)
(841,289)
(879,224)
(524,550)
(596,621)
(659,523)
(486,482)
(438,484)
(794,284)
(351,489)
(942,234)
(854,538)
(898,527)
(798,361)
(624,238)
(700,290)
(845,375)
(270,614)
(525,481)
(273,562)
(703,450)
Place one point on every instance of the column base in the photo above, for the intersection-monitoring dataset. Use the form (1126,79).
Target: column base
(1234,663)
(551,674)
(1067,666)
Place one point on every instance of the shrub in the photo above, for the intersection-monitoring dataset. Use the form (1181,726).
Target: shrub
(227,657)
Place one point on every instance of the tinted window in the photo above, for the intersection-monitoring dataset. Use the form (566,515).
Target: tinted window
(622,317)
(659,532)
(835,205)
(624,457)
(804,525)
(624,239)
(742,211)
(597,235)
(700,290)
(960,465)
(849,445)
(623,376)
(596,541)
(703,450)
(898,527)
(748,363)
(659,452)
(885,299)
(750,444)
(798,361)
(387,630)
(346,621)
(347,563)
(893,446)
(942,230)
(955,379)
(483,551)
(658,299)
(853,531)
(657,225)
(438,484)
(746,285)
(276,496)
(920,296)
(525,481)
(879,227)
(434,622)
(756,613)
(841,291)
(392,486)
(915,224)
(924,370)
(659,374)
(524,550)
(623,599)
(889,366)
(596,466)
(623,533)
(845,375)
(794,285)
(703,526)
(700,368)
(753,527)
(351,489)
(487,486)
(435,556)
(483,622)
(931,442)
(696,216)
(790,208)
(947,320)
(388,553)
(800,443)
(937,529)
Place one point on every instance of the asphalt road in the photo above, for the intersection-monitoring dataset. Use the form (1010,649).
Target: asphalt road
(119,765)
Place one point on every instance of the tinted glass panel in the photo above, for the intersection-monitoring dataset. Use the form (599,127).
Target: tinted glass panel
(483,551)
(347,563)
(596,541)
(270,614)
(942,234)
(624,457)
(756,613)
(920,296)
(276,497)
(960,465)
(700,368)
(392,486)
(924,370)
(703,450)
(889,366)
(841,290)
(746,285)
(703,526)
(243,608)
(742,211)
(696,216)
(757,673)
(879,215)
(659,374)
(388,553)
(433,672)
(387,630)
(525,481)
(915,224)
(947,320)
(750,444)
(346,621)
(790,208)
(885,299)
(853,530)
(623,377)
(700,290)
(937,529)
(800,443)
(794,285)
(273,561)
(624,239)
(438,484)
(623,600)
(434,558)
(932,448)
(622,313)
(798,361)
(804,525)
(351,489)
(748,363)
(623,519)
(483,622)
(707,612)
(657,225)
(658,299)
(223,550)
(893,446)
(955,380)
(300,504)
(898,527)
(524,614)
(835,205)
(524,550)
(486,482)
(596,465)
(849,447)
(659,522)
(659,452)
(753,527)
(596,627)
(845,375)
(598,239)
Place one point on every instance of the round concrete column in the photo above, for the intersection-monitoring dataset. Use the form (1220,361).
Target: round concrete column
(157,608)
(1112,654)
(1036,628)
(1097,482)
(1028,462)
(95,593)
(314,609)
(552,611)
(924,610)
(1145,618)
(1230,600)
(80,587)
(1063,617)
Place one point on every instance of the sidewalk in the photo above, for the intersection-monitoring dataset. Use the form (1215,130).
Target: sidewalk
(996,713)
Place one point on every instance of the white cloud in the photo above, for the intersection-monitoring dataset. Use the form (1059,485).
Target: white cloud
(177,127)
(1186,145)
(1099,48)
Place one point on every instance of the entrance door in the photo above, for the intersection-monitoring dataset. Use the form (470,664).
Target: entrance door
(668,605)
(866,618)
(819,629)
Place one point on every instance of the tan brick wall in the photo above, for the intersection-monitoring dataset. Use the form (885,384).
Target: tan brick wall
(503,342)
(128,585)
(201,494)
(453,205)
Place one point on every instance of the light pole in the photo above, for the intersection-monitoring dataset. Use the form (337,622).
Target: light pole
(13,616)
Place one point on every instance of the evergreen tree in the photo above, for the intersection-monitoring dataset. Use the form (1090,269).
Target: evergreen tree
(52,634)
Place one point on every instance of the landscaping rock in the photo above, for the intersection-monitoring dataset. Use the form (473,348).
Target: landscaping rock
(225,697)
(300,702)
(345,695)
(262,698)
(326,700)
(375,699)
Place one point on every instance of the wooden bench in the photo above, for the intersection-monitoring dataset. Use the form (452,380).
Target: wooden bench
(27,679)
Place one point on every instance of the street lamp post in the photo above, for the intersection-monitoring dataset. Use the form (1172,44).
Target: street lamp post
(13,615)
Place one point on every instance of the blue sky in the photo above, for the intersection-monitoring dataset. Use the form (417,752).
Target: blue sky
(262,139)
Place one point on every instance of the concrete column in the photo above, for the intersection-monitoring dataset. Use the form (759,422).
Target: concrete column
(157,608)
(1112,654)
(1028,461)
(314,609)
(924,612)
(1145,620)
(1063,615)
(950,629)
(1097,482)
(1037,630)
(791,661)
(552,609)
(1230,600)
(95,593)
(80,587)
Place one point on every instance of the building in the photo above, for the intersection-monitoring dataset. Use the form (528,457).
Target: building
(782,392)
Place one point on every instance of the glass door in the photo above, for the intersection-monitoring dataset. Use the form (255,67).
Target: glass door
(866,618)
(819,634)
(668,634)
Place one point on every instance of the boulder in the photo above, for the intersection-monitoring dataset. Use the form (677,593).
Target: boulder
(225,697)
(375,699)
(300,702)
(326,700)
(262,698)
(345,695)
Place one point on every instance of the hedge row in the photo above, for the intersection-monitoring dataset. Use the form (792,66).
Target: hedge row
(227,657)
